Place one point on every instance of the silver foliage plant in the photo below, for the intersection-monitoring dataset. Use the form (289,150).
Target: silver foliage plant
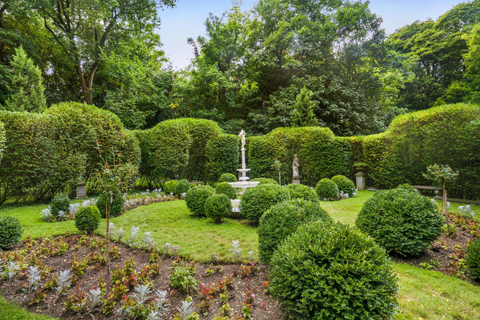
(94,297)
(185,310)
(466,211)
(236,251)
(47,214)
(63,280)
(132,241)
(33,278)
(147,241)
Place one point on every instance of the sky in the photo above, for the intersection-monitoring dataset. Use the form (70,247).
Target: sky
(187,19)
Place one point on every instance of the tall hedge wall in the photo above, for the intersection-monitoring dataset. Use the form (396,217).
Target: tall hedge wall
(222,154)
(2,140)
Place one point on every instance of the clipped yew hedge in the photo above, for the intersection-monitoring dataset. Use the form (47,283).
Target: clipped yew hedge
(222,152)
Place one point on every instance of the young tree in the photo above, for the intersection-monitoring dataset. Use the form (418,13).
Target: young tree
(25,85)
(303,115)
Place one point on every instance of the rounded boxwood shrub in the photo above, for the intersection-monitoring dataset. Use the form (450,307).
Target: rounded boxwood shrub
(327,189)
(169,186)
(116,207)
(300,191)
(61,202)
(255,201)
(473,259)
(283,219)
(406,187)
(226,189)
(227,177)
(196,198)
(344,184)
(332,271)
(182,187)
(217,207)
(401,221)
(87,219)
(11,231)
(265,181)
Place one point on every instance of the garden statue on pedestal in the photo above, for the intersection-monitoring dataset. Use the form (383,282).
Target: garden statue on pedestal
(296,172)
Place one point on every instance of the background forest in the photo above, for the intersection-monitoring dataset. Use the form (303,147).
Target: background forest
(252,69)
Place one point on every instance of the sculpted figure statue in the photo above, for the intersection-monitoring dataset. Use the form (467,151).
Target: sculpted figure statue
(242,136)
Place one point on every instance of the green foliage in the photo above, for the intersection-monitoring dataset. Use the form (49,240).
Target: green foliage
(227,177)
(181,187)
(332,269)
(226,189)
(472,259)
(169,186)
(115,207)
(196,198)
(11,231)
(218,207)
(406,187)
(401,221)
(222,153)
(303,115)
(300,191)
(283,219)
(265,181)
(87,219)
(344,184)
(327,189)
(60,202)
(2,140)
(440,173)
(255,201)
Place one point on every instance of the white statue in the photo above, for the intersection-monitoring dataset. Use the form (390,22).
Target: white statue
(295,171)
(242,136)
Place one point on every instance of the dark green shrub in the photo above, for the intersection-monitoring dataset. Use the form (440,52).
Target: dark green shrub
(11,231)
(60,202)
(116,207)
(473,259)
(344,184)
(87,219)
(255,201)
(265,181)
(2,140)
(222,153)
(327,189)
(226,189)
(406,187)
(332,271)
(196,198)
(300,191)
(283,219)
(182,187)
(401,221)
(170,186)
(218,207)
(227,177)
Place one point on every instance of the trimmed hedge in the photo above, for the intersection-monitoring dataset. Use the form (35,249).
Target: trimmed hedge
(265,181)
(218,207)
(255,201)
(87,219)
(332,271)
(182,187)
(327,189)
(2,140)
(116,207)
(222,154)
(227,177)
(196,198)
(472,259)
(300,191)
(11,231)
(344,184)
(401,221)
(170,186)
(226,189)
(283,219)
(60,202)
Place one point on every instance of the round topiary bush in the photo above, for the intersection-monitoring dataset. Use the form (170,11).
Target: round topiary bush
(473,259)
(300,191)
(116,207)
(265,181)
(344,184)
(87,219)
(327,189)
(283,219)
(332,271)
(227,177)
(196,198)
(182,187)
(61,202)
(255,201)
(11,231)
(169,186)
(407,187)
(226,189)
(401,221)
(218,207)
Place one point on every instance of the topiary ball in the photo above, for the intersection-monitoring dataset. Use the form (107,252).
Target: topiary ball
(11,231)
(401,221)
(265,181)
(227,177)
(327,189)
(283,219)
(226,189)
(61,202)
(169,186)
(196,198)
(407,187)
(332,271)
(300,191)
(116,207)
(255,201)
(344,184)
(182,187)
(218,207)
(87,219)
(473,259)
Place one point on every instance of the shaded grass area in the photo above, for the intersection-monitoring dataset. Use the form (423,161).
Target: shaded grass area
(13,312)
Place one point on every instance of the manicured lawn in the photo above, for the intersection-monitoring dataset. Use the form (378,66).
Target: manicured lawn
(12,312)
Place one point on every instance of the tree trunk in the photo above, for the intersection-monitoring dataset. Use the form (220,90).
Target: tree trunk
(444,203)
(86,86)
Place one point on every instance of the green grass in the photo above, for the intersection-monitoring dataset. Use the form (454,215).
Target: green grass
(11,311)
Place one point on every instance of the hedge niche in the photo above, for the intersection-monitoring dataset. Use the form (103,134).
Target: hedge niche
(222,154)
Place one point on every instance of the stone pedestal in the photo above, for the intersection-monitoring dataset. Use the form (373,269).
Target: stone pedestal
(296,180)
(80,191)
(360,179)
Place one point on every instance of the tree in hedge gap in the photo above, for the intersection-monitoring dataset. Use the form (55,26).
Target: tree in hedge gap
(277,165)
(303,115)
(113,180)
(26,85)
(441,173)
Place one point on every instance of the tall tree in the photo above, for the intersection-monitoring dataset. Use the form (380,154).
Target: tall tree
(303,115)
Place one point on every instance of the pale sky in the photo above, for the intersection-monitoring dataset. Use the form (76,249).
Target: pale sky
(188,17)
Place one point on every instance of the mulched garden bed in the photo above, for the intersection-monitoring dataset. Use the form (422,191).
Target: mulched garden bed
(52,255)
